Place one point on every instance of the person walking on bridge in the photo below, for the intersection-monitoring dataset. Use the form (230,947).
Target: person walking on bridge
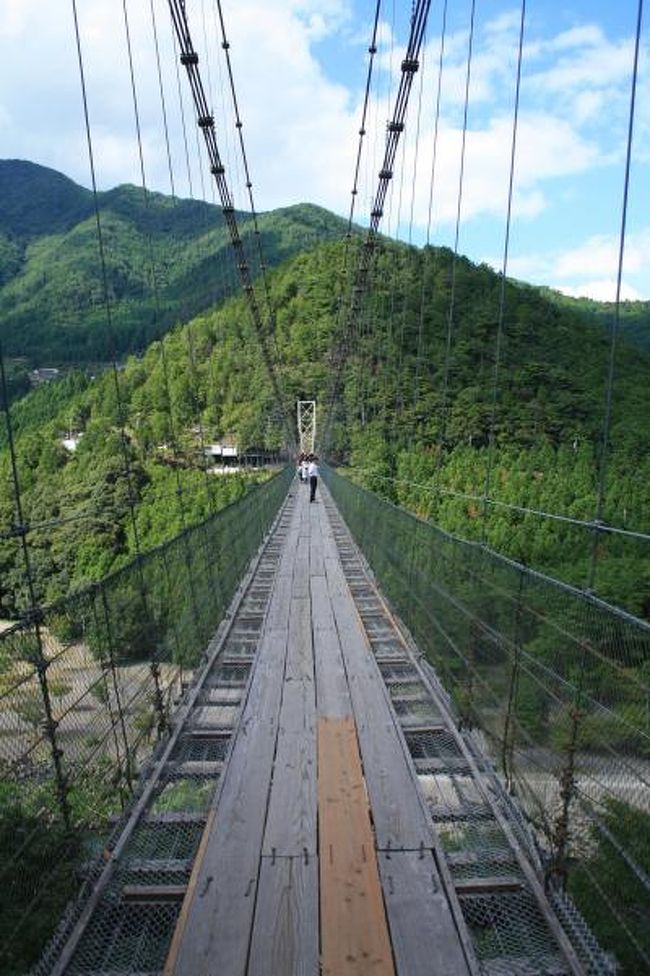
(313,473)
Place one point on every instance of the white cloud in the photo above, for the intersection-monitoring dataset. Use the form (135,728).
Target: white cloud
(592,61)
(601,290)
(547,149)
(599,255)
(591,268)
(13,20)
(300,126)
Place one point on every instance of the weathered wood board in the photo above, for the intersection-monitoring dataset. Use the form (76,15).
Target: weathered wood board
(285,934)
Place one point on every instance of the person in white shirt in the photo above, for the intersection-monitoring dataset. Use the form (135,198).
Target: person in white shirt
(313,473)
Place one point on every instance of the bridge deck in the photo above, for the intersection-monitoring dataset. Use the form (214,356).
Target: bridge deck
(319,808)
(315,808)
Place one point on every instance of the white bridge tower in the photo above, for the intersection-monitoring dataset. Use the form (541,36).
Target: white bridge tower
(307,426)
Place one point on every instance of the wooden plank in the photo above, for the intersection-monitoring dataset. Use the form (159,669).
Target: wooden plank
(289,549)
(277,617)
(285,932)
(316,560)
(332,694)
(322,616)
(216,928)
(487,886)
(206,734)
(298,712)
(291,819)
(213,936)
(215,716)
(400,818)
(291,822)
(399,815)
(300,655)
(153,893)
(301,570)
(424,937)
(354,932)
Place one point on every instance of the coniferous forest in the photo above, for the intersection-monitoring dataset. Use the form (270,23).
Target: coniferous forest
(426,413)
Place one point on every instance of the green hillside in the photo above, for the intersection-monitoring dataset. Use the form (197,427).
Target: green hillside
(52,307)
(399,432)
(634,317)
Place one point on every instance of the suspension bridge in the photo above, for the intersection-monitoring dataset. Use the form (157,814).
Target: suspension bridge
(332,737)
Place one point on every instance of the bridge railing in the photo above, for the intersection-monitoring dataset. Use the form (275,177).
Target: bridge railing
(555,683)
(86,690)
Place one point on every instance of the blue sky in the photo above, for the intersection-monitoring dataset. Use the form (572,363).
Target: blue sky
(300,67)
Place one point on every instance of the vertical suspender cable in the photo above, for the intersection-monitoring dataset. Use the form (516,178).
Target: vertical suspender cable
(340,326)
(155,672)
(208,557)
(502,289)
(410,65)
(454,260)
(34,613)
(205,120)
(411,260)
(156,298)
(161,92)
(432,183)
(181,104)
(607,420)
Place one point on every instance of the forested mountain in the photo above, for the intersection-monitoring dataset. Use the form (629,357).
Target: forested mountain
(633,317)
(52,307)
(414,423)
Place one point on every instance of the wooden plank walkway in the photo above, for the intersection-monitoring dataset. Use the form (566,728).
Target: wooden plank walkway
(319,854)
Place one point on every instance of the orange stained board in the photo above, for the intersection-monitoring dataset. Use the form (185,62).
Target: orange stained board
(354,930)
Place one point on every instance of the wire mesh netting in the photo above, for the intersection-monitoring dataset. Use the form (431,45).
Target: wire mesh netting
(86,691)
(555,684)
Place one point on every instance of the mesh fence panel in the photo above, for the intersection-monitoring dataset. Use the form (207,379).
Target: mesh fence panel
(556,684)
(86,690)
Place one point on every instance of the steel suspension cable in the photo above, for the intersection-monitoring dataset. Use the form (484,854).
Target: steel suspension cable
(372,50)
(188,329)
(262,262)
(400,281)
(504,271)
(205,120)
(432,183)
(454,261)
(180,499)
(409,67)
(611,365)
(412,256)
(33,614)
(110,331)
(181,104)
(526,510)
(161,94)
(108,310)
(343,278)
